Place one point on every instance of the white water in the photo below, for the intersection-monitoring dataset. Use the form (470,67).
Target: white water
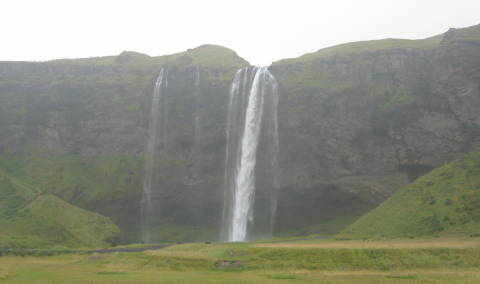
(242,143)
(150,152)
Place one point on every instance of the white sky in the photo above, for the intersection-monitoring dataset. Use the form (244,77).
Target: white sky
(260,31)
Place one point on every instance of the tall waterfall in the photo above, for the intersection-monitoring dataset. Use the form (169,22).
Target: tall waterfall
(154,144)
(252,116)
(197,118)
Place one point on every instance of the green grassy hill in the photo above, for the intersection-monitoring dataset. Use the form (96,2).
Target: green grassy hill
(32,219)
(465,34)
(444,202)
(365,46)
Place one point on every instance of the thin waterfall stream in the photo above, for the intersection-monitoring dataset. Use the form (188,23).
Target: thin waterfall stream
(152,147)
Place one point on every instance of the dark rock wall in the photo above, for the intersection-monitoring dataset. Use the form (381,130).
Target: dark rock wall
(355,127)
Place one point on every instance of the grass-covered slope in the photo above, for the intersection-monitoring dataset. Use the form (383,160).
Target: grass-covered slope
(446,202)
(32,219)
(465,34)
(366,46)
(101,184)
(74,178)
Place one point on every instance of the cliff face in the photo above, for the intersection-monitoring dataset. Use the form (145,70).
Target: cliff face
(99,106)
(356,122)
(78,129)
(361,120)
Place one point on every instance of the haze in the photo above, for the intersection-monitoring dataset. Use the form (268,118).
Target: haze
(259,31)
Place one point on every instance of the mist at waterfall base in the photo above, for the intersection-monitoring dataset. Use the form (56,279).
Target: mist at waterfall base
(241,205)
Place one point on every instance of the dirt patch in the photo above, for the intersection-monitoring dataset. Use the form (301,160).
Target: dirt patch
(97,257)
(221,264)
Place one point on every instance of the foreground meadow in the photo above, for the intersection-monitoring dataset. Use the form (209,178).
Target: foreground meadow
(325,261)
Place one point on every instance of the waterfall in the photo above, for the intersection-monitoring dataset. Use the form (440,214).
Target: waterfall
(197,119)
(252,110)
(152,146)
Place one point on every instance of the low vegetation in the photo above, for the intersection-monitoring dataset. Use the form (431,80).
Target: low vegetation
(325,261)
(30,218)
(75,178)
(366,46)
(444,202)
(465,34)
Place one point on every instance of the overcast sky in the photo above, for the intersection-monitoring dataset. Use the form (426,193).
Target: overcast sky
(260,31)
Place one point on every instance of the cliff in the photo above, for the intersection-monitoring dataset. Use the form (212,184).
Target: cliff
(360,120)
(77,129)
(356,121)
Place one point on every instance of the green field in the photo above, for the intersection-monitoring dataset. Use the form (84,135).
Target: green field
(319,261)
